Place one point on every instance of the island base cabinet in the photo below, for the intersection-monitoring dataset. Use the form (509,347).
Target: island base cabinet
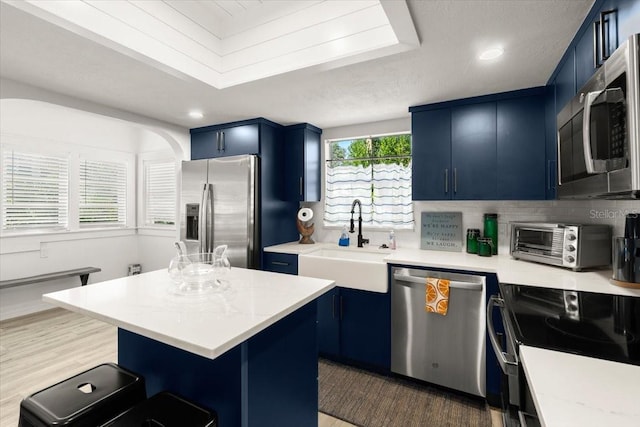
(270,379)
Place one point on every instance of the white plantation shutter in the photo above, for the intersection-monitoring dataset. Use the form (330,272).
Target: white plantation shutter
(102,193)
(160,193)
(35,191)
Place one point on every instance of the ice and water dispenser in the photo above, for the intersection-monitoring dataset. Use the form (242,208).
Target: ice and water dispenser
(192,211)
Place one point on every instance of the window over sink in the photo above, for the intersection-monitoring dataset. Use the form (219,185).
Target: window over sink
(376,170)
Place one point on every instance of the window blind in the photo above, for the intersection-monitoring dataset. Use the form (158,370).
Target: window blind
(160,193)
(35,191)
(102,193)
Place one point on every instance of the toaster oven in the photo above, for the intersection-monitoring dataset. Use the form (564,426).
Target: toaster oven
(574,246)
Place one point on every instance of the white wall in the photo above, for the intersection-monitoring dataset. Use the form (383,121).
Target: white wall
(50,121)
(610,212)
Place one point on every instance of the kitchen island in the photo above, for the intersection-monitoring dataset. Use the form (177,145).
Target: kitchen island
(248,352)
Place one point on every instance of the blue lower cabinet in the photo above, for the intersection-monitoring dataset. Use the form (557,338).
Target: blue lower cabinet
(329,323)
(355,325)
(280,263)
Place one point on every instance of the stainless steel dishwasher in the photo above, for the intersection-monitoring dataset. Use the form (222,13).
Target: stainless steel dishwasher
(445,350)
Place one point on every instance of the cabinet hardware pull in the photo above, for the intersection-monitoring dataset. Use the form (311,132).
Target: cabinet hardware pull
(223,141)
(604,54)
(455,180)
(279,263)
(599,38)
(218,140)
(596,47)
(301,189)
(446,181)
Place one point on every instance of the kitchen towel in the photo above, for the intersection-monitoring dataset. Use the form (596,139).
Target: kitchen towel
(437,298)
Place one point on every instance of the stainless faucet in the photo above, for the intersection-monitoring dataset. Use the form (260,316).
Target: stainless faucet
(361,240)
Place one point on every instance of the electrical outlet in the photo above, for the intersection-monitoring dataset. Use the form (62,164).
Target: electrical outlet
(44,250)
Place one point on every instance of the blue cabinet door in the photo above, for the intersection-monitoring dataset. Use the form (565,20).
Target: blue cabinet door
(365,328)
(302,165)
(203,145)
(521,148)
(565,82)
(584,58)
(239,140)
(473,151)
(431,153)
(329,323)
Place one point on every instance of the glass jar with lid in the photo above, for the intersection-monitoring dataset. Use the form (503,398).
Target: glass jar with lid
(485,246)
(472,240)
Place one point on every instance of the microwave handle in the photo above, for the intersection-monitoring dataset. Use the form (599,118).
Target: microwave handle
(586,131)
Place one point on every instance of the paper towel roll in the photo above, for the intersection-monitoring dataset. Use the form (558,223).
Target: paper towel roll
(305,214)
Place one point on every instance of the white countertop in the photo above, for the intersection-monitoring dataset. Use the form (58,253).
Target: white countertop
(509,270)
(571,390)
(205,325)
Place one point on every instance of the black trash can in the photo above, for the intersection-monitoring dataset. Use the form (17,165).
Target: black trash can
(165,410)
(88,399)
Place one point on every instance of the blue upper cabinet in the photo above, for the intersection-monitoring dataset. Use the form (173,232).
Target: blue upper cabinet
(565,82)
(302,147)
(521,148)
(585,52)
(431,152)
(487,148)
(225,140)
(473,151)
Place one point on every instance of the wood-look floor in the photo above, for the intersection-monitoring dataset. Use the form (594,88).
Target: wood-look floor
(41,349)
(44,348)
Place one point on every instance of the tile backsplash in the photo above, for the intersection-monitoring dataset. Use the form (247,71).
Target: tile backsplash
(611,212)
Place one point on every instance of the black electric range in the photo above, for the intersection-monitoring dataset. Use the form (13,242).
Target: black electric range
(590,324)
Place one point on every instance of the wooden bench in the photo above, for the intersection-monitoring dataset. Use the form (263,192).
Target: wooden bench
(82,272)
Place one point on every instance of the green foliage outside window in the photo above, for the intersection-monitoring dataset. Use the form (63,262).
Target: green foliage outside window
(391,149)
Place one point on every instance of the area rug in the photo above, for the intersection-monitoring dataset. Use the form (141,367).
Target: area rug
(371,400)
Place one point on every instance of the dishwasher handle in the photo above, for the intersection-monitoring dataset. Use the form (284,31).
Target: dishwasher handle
(467,286)
(508,362)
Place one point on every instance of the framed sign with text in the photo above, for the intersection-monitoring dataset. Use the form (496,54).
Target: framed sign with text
(441,231)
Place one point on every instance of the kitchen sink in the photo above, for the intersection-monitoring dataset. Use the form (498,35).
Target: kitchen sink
(354,268)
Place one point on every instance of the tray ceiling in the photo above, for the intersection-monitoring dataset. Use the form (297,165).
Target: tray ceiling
(228,42)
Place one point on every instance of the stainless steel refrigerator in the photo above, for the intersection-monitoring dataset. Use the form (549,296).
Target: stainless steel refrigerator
(219,206)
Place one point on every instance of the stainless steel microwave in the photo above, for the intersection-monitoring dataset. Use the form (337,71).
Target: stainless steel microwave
(598,131)
(574,246)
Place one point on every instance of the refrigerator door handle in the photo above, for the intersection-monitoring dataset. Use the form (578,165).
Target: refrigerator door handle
(206,219)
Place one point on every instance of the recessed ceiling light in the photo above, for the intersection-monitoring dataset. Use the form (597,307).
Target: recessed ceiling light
(195,114)
(492,53)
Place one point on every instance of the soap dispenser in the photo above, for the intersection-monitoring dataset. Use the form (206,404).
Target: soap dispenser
(392,239)
(344,237)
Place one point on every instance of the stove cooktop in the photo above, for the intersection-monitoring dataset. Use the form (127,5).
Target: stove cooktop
(585,323)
